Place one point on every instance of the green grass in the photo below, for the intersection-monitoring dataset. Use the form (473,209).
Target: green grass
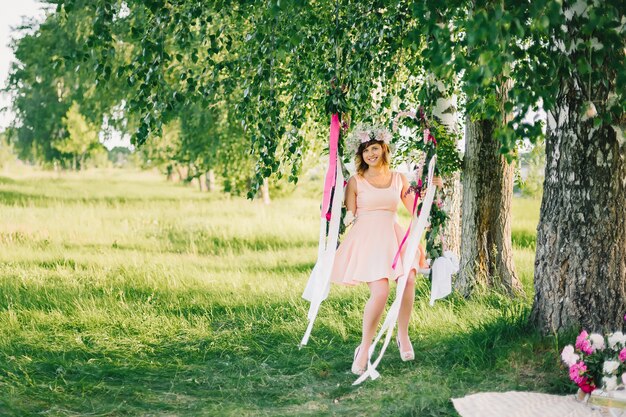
(121,294)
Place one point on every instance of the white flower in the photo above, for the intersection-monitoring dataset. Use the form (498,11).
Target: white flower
(610,367)
(597,341)
(364,136)
(364,133)
(617,340)
(568,355)
(610,383)
(383,135)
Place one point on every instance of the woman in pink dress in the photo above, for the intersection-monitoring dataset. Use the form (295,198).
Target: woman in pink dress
(368,249)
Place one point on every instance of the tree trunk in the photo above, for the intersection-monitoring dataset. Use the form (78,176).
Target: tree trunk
(486,250)
(210,180)
(201,183)
(453,194)
(580,264)
(265,191)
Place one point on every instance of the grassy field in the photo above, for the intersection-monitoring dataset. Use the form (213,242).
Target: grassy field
(121,294)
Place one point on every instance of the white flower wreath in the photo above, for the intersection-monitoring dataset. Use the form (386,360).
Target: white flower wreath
(364,133)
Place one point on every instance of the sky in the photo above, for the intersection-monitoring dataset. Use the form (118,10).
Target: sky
(12,14)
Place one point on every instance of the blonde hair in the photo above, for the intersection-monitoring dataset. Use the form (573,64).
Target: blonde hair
(361,165)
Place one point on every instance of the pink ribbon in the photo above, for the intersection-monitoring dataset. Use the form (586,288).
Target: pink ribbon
(332,162)
(406,235)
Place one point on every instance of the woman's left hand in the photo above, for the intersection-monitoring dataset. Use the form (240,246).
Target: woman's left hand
(438,181)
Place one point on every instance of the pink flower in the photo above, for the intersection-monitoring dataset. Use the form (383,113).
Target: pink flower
(586,386)
(328,216)
(426,135)
(363,136)
(583,344)
(400,115)
(622,355)
(576,372)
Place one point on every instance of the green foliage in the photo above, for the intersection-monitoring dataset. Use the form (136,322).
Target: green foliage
(269,67)
(82,137)
(6,150)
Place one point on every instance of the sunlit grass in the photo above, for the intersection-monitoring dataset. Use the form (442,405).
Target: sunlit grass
(121,294)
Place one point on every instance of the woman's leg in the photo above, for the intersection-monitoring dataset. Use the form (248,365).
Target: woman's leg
(379,291)
(404,315)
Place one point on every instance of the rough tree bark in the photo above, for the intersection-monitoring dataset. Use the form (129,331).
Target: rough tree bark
(453,193)
(486,250)
(580,264)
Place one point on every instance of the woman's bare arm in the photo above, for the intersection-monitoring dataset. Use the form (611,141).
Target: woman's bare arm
(350,199)
(408,198)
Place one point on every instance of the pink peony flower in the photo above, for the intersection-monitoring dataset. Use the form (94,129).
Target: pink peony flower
(622,355)
(576,372)
(363,136)
(586,386)
(583,344)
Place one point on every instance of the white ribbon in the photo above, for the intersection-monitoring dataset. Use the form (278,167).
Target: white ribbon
(441,275)
(407,263)
(318,285)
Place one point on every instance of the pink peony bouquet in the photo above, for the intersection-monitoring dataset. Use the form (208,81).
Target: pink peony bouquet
(597,361)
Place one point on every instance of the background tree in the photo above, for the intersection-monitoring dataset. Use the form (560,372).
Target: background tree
(81,140)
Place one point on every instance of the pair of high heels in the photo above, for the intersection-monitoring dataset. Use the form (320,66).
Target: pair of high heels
(406,356)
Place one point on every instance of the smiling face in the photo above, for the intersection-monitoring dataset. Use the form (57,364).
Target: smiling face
(372,154)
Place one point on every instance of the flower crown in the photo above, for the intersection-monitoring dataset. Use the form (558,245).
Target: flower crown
(364,133)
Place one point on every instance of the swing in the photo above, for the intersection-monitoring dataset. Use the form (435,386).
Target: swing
(318,285)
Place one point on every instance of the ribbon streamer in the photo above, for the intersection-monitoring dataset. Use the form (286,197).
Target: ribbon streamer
(332,162)
(407,262)
(408,231)
(318,285)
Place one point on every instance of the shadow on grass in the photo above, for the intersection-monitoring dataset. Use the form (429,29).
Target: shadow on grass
(248,363)
(22,199)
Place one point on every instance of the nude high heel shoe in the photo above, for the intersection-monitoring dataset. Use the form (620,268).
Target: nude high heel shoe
(406,356)
(357,370)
